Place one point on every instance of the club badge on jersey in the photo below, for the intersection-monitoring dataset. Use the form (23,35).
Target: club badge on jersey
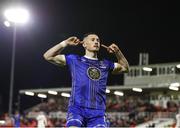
(94,73)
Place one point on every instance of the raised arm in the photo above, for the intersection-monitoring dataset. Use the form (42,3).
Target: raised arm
(54,55)
(122,64)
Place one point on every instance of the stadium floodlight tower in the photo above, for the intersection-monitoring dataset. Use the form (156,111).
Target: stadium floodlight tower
(15,16)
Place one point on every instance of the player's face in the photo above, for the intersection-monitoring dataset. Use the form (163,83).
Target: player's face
(92,43)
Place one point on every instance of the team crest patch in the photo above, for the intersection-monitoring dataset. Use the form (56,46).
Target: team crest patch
(93,73)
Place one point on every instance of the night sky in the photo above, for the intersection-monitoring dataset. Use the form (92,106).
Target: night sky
(135,26)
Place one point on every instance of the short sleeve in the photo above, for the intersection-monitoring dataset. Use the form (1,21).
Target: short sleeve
(70,58)
(110,64)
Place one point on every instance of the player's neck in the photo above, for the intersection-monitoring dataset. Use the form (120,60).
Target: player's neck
(92,55)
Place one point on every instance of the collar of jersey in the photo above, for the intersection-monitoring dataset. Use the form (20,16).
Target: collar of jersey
(90,58)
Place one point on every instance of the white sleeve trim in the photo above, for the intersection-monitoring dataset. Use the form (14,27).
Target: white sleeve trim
(115,65)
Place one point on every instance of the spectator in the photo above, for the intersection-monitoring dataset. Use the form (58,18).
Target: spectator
(42,120)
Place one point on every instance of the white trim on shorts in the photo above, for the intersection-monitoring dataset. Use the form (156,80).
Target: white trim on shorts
(73,120)
(102,125)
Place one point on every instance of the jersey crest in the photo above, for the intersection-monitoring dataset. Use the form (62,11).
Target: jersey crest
(93,73)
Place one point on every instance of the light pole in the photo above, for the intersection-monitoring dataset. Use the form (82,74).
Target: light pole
(15,15)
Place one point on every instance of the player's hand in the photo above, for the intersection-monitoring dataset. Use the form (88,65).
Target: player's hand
(72,41)
(113,48)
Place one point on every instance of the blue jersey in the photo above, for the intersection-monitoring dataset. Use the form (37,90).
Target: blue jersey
(89,78)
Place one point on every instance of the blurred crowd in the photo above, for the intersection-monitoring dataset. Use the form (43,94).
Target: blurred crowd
(126,111)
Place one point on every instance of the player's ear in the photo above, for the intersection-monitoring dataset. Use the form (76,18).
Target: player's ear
(84,44)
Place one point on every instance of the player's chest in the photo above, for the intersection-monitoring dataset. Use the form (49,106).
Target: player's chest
(92,70)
